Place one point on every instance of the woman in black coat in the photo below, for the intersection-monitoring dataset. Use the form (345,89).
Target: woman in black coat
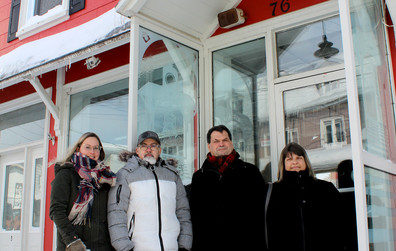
(303,212)
(79,197)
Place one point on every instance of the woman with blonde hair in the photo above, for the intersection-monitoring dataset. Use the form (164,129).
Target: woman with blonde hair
(79,197)
(303,212)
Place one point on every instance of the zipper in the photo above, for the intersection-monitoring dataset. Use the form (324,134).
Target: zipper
(131,226)
(159,209)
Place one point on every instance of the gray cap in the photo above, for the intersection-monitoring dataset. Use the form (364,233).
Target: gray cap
(148,135)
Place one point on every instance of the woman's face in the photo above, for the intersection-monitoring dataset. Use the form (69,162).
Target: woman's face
(296,163)
(90,147)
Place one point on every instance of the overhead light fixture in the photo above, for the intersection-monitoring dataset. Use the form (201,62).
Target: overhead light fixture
(92,62)
(230,18)
(326,50)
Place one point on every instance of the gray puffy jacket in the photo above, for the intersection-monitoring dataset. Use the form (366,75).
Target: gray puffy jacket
(148,208)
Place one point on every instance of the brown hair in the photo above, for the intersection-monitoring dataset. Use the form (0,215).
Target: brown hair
(78,144)
(298,150)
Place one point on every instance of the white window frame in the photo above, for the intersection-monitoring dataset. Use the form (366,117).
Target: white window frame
(30,24)
(323,133)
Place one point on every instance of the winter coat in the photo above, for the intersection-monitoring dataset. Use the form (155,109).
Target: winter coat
(304,214)
(64,191)
(148,208)
(227,210)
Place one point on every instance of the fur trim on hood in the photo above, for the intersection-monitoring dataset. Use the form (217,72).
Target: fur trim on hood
(125,155)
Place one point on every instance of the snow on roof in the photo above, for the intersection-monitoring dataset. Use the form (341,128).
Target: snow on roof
(45,50)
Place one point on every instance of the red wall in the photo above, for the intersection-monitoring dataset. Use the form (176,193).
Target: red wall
(93,9)
(260,10)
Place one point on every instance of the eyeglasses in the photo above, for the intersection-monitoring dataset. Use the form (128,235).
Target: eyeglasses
(153,147)
(90,148)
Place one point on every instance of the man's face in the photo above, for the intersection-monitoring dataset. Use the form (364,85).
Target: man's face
(148,149)
(220,144)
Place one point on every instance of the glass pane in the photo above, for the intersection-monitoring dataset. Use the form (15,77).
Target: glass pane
(167,98)
(375,94)
(240,100)
(299,49)
(380,191)
(104,111)
(37,192)
(13,194)
(314,112)
(22,126)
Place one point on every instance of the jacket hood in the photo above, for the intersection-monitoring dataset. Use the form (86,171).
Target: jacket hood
(124,156)
(60,166)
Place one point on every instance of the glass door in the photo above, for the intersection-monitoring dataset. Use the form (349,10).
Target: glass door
(21,207)
(313,112)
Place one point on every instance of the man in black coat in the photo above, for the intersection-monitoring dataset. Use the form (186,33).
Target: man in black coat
(227,199)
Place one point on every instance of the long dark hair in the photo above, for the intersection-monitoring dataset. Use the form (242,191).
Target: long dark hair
(298,150)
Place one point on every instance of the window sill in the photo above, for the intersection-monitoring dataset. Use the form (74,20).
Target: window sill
(37,24)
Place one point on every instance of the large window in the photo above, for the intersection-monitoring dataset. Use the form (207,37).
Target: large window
(104,111)
(13,194)
(240,100)
(22,126)
(319,112)
(167,98)
(381,210)
(309,47)
(374,88)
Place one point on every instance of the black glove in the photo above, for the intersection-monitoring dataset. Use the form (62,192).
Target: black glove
(76,245)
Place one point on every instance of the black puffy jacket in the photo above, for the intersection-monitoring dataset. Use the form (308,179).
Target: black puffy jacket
(64,191)
(304,215)
(227,211)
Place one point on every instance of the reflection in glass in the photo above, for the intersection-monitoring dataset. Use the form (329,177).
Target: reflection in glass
(296,48)
(317,116)
(104,111)
(167,98)
(22,126)
(380,209)
(240,100)
(374,88)
(37,192)
(13,195)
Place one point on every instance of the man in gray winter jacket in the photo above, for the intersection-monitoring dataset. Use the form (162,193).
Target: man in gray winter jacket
(148,207)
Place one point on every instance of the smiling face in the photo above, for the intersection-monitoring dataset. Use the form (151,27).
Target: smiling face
(90,147)
(294,162)
(220,144)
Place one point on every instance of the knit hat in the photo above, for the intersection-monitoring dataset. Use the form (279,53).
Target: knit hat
(148,135)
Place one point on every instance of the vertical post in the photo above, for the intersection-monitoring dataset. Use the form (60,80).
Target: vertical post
(355,126)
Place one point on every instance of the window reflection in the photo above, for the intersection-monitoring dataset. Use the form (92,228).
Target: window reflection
(167,98)
(240,100)
(22,126)
(296,47)
(13,195)
(101,110)
(37,192)
(317,118)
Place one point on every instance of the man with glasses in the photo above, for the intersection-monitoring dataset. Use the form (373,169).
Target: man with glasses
(148,207)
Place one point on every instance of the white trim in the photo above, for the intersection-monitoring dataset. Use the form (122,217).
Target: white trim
(30,25)
(22,102)
(356,130)
(133,83)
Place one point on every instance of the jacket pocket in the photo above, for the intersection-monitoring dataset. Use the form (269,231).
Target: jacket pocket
(131,226)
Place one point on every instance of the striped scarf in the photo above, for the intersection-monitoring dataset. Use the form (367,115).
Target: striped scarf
(93,175)
(222,162)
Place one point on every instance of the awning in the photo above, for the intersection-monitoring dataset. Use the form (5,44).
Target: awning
(64,48)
